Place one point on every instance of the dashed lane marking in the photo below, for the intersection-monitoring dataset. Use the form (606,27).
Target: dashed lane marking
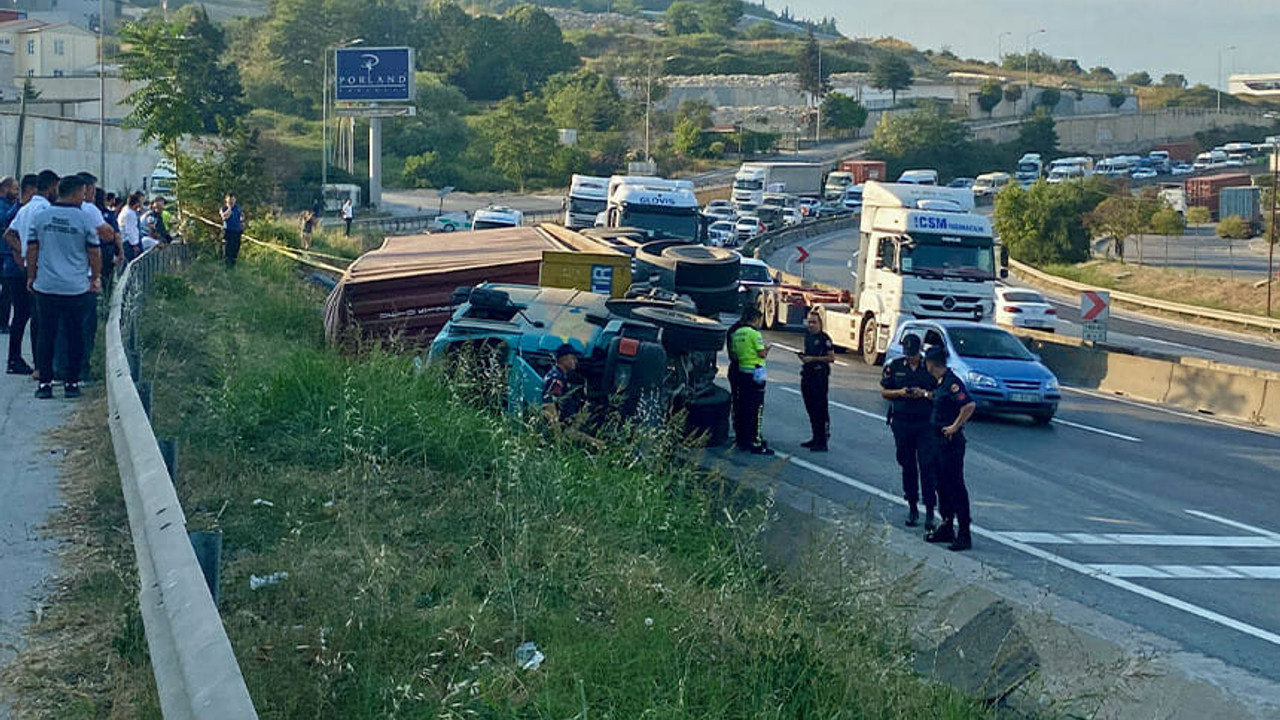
(1191,572)
(1218,541)
(1235,524)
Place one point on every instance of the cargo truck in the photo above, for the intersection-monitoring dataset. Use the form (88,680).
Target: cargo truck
(1244,203)
(659,207)
(755,179)
(1206,190)
(587,198)
(864,170)
(1030,168)
(923,253)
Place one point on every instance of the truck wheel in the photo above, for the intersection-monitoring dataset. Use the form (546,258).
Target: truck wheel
(684,332)
(770,313)
(870,328)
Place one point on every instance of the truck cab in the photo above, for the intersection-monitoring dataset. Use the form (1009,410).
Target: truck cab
(587,198)
(836,183)
(1030,168)
(661,208)
(923,253)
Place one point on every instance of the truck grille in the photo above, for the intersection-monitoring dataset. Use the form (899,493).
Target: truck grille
(957,304)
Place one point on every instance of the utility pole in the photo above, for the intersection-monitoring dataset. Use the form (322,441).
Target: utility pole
(102,95)
(821,92)
(1000,47)
(1271,236)
(1228,48)
(1027,57)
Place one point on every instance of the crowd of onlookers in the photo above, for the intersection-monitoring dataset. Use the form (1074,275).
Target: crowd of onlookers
(65,239)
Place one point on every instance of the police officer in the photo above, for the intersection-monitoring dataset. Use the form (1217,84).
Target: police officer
(906,383)
(560,399)
(748,351)
(818,355)
(952,408)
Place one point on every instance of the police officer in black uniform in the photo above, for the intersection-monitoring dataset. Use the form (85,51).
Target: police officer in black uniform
(906,383)
(952,408)
(815,373)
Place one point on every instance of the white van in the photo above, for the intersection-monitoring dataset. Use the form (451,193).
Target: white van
(918,177)
(992,183)
(1210,160)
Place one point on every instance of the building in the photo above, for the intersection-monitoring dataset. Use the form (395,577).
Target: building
(1264,85)
(44,50)
(80,13)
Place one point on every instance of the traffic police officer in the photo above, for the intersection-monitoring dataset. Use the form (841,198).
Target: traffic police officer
(560,399)
(906,383)
(748,349)
(818,355)
(952,408)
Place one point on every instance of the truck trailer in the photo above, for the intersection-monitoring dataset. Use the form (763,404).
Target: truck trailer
(755,179)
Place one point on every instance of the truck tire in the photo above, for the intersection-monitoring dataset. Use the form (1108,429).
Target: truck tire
(870,329)
(684,332)
(708,417)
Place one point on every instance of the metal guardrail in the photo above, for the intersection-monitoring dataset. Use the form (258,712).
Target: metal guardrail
(1252,321)
(197,677)
(766,243)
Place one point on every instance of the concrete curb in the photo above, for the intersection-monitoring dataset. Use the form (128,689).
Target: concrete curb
(196,673)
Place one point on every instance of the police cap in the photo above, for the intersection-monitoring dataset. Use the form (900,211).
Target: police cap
(567,349)
(936,353)
(911,345)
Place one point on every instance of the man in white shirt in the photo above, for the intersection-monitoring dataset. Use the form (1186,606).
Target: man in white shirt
(108,239)
(18,235)
(130,222)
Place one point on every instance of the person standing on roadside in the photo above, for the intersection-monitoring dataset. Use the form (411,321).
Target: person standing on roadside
(749,352)
(8,208)
(108,242)
(130,223)
(815,376)
(952,408)
(18,237)
(232,228)
(348,214)
(64,264)
(906,384)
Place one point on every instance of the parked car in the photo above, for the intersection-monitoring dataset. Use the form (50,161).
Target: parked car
(964,183)
(722,212)
(1181,169)
(1001,374)
(749,226)
(1143,173)
(723,233)
(852,199)
(1019,307)
(449,222)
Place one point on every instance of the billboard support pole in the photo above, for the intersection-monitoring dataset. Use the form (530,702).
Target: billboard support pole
(375,162)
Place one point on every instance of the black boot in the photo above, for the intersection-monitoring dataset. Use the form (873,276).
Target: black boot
(929,522)
(808,443)
(944,533)
(963,540)
(913,516)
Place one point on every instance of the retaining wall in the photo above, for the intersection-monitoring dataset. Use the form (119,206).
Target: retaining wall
(1110,134)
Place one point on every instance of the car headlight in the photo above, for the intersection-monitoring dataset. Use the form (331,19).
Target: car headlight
(980,380)
(1051,383)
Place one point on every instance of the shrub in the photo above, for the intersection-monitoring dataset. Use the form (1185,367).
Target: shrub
(1234,227)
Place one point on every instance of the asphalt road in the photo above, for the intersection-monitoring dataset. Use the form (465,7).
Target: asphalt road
(1202,253)
(1159,519)
(829,262)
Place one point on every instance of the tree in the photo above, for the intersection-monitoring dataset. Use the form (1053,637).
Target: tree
(1102,73)
(1167,221)
(922,139)
(1049,98)
(688,138)
(892,73)
(537,48)
(1044,224)
(236,166)
(682,18)
(1013,94)
(1174,81)
(1142,78)
(186,87)
(522,139)
(1116,218)
(1198,215)
(1038,134)
(989,96)
(1116,98)
(583,100)
(720,17)
(812,76)
(699,111)
(842,112)
(1234,227)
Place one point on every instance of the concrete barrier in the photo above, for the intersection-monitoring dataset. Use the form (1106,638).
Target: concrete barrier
(1239,393)
(196,674)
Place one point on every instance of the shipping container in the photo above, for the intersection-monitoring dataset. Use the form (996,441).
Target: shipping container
(864,170)
(1205,191)
(1242,202)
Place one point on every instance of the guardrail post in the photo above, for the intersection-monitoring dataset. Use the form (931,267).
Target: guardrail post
(208,547)
(169,451)
(144,394)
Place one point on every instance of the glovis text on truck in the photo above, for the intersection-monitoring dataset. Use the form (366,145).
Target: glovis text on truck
(923,253)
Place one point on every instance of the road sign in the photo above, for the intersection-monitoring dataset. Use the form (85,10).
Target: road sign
(1095,305)
(804,254)
(1093,331)
(382,74)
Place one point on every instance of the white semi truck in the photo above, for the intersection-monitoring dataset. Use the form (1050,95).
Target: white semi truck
(924,253)
(755,179)
(587,198)
(1030,168)
(662,208)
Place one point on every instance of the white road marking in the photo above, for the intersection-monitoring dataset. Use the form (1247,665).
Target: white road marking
(1223,541)
(1100,431)
(1191,572)
(1235,524)
(1167,411)
(842,406)
(1081,568)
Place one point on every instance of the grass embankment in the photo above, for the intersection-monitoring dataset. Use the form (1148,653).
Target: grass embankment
(1210,291)
(425,538)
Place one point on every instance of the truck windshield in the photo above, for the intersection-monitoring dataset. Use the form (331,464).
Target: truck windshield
(663,222)
(583,206)
(931,255)
(989,343)
(748,184)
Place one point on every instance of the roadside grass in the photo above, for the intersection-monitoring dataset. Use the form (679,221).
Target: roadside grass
(1210,291)
(425,538)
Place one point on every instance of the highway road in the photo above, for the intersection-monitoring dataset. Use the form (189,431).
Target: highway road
(829,262)
(1162,520)
(1203,253)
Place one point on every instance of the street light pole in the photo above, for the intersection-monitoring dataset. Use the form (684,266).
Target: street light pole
(102,96)
(1000,47)
(1027,57)
(1271,236)
(818,135)
(1228,48)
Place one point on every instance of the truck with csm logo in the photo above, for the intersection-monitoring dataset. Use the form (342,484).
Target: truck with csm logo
(923,253)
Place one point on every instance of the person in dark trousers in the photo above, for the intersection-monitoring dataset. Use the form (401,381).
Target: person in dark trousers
(561,400)
(906,384)
(64,264)
(8,208)
(815,374)
(37,191)
(232,228)
(952,408)
(734,385)
(748,349)
(348,214)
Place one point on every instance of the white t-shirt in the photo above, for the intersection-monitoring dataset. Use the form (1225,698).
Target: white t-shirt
(130,229)
(93,215)
(348,212)
(22,221)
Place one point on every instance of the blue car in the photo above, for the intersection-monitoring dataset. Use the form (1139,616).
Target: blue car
(1002,375)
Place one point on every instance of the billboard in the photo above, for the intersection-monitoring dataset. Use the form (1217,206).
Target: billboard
(374,74)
